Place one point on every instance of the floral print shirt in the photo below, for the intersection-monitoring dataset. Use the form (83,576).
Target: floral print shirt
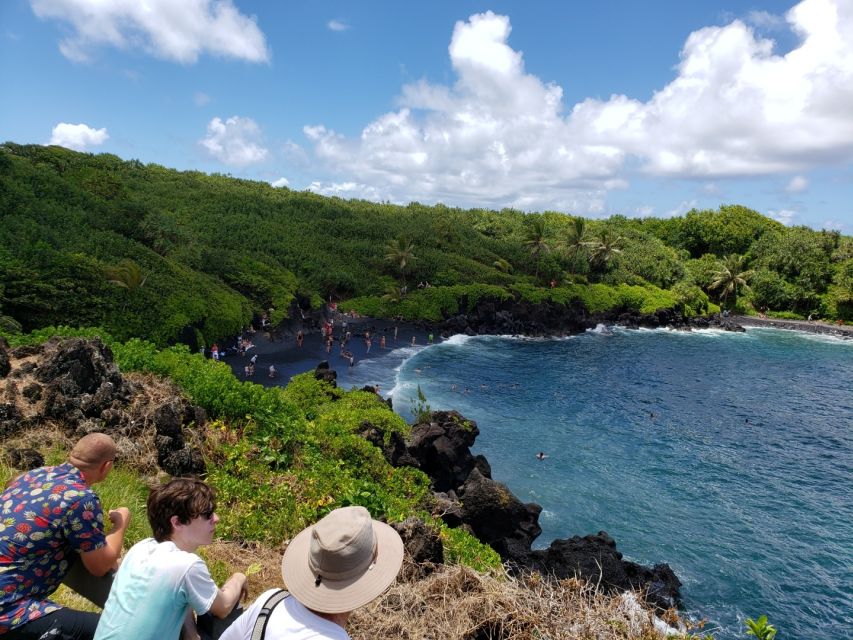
(47,516)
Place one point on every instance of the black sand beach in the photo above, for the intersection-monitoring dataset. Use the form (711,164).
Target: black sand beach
(290,359)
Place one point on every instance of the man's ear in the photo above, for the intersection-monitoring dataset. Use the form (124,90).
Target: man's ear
(175,521)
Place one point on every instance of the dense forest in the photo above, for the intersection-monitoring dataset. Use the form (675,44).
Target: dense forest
(146,251)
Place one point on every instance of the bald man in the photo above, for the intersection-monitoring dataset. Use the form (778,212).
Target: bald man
(52,532)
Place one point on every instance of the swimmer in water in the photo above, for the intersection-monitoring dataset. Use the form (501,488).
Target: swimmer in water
(541,455)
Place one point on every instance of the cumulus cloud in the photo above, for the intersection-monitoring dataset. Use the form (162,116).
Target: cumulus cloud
(77,136)
(501,135)
(736,108)
(797,184)
(177,31)
(337,25)
(235,141)
(349,190)
(766,20)
(281,182)
(785,216)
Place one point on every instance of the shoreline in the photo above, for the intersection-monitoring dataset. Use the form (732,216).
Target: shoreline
(816,326)
(290,359)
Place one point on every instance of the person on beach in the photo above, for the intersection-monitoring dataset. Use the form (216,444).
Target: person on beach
(162,581)
(53,533)
(382,342)
(414,341)
(300,337)
(272,372)
(332,568)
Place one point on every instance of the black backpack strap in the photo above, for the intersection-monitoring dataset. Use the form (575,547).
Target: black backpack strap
(260,627)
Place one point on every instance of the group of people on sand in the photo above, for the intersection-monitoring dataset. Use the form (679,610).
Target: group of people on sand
(52,533)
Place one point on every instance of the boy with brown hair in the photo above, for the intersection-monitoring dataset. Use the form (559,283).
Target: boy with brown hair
(161,581)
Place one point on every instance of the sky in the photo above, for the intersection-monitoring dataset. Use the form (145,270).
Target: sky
(589,108)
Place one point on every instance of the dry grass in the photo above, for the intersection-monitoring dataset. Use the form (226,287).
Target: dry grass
(458,603)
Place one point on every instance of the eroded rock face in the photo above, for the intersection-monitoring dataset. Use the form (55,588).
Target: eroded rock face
(25,459)
(595,558)
(467,496)
(323,372)
(76,384)
(442,449)
(422,543)
(497,517)
(79,366)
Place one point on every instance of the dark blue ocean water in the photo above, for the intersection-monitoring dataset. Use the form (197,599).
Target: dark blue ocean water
(729,456)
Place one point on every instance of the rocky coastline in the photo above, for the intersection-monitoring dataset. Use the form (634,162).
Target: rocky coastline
(467,496)
(74,385)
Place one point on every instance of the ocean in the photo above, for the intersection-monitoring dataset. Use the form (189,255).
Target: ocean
(727,455)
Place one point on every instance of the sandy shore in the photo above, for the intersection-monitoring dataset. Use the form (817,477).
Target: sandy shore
(290,359)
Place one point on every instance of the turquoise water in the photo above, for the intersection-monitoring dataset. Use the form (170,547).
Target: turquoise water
(729,456)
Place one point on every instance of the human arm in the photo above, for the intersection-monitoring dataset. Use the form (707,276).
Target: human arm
(102,560)
(234,589)
(189,631)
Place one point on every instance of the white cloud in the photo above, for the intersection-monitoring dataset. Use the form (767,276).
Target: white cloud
(178,31)
(683,207)
(797,184)
(200,98)
(785,216)
(348,190)
(337,25)
(281,182)
(496,136)
(236,141)
(766,20)
(736,108)
(500,135)
(834,224)
(77,136)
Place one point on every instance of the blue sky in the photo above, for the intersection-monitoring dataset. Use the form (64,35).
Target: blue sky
(592,108)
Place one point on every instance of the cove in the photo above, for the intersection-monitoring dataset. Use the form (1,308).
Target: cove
(727,455)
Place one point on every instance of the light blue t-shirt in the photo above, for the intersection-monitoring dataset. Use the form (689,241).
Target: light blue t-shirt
(155,584)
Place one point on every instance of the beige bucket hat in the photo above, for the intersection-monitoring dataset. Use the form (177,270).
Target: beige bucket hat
(342,562)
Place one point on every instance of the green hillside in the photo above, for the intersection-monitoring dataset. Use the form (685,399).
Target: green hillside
(146,251)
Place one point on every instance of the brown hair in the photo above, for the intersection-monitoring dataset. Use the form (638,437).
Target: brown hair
(186,498)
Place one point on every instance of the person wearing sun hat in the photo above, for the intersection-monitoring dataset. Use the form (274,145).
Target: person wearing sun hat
(330,569)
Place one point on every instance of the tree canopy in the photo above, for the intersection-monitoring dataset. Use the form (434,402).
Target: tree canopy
(146,251)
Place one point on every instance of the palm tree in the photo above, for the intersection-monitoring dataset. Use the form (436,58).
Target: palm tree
(126,274)
(400,253)
(730,276)
(575,241)
(605,246)
(536,242)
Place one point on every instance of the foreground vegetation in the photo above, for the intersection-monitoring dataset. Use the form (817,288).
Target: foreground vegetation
(149,252)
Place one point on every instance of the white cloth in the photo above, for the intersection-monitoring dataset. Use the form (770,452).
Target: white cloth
(290,620)
(152,590)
